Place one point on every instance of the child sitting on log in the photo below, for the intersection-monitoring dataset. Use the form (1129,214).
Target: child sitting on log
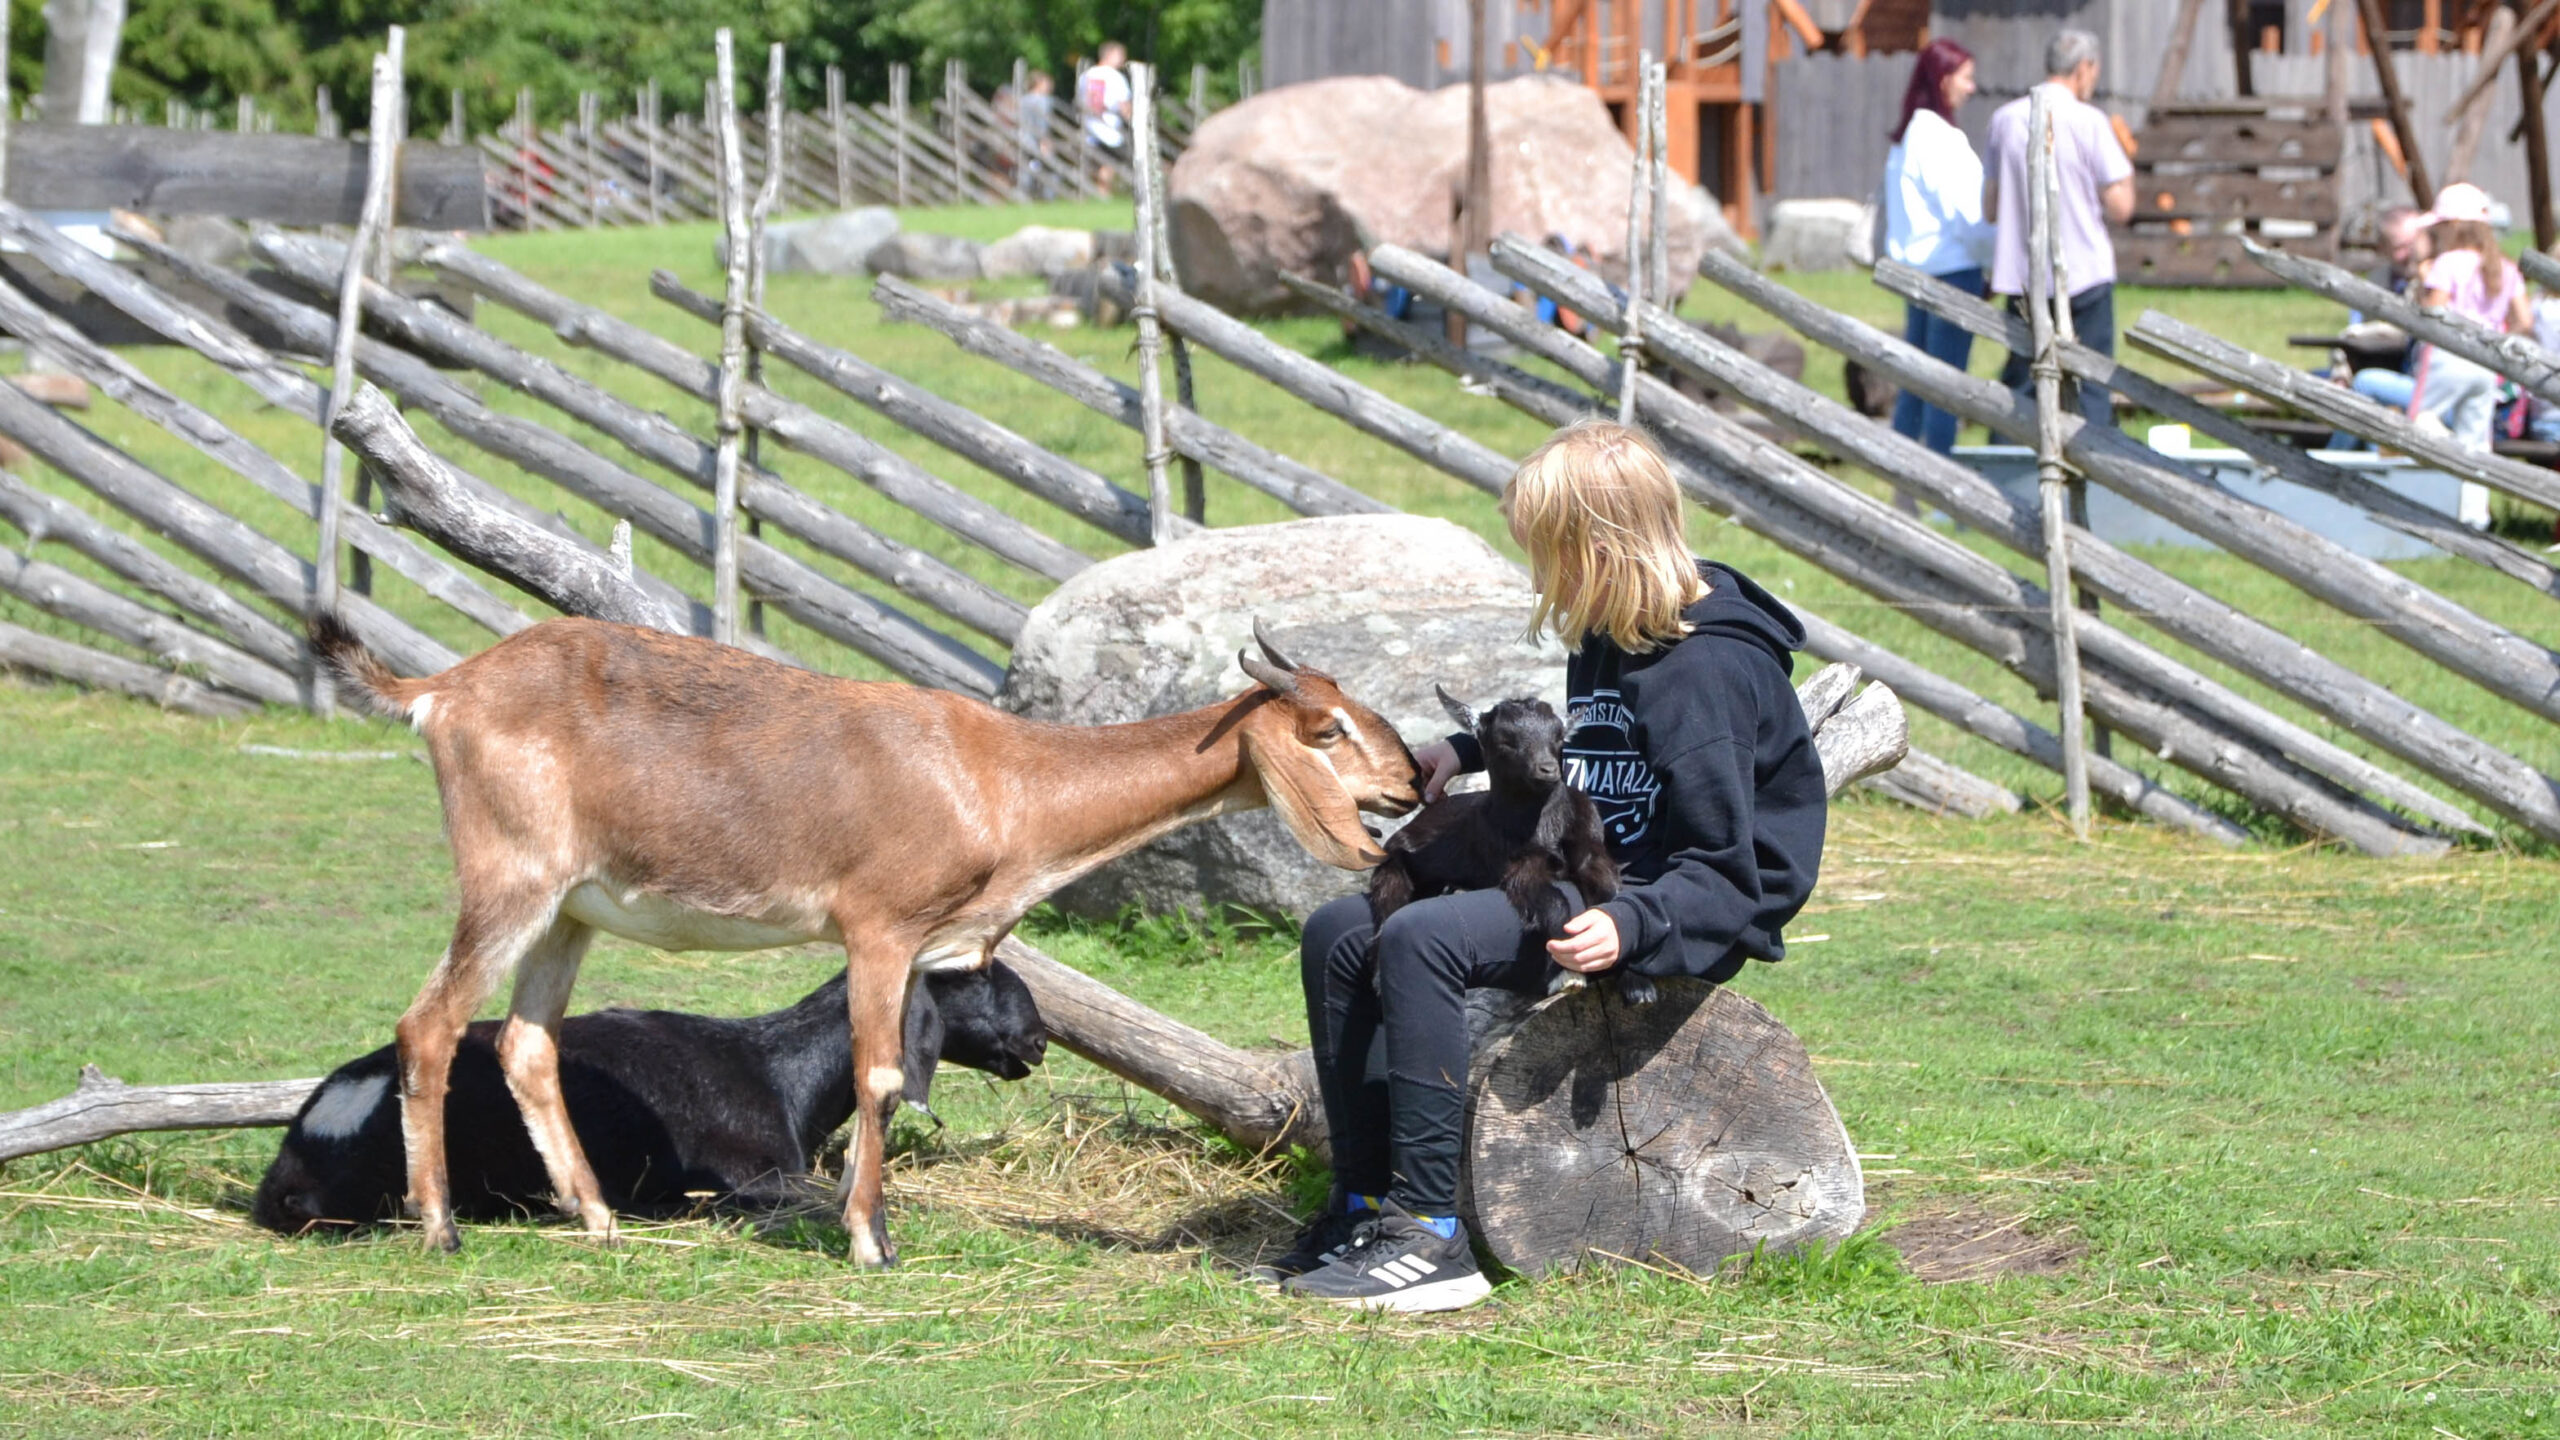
(1693,746)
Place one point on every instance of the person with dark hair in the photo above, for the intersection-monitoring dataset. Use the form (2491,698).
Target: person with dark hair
(1933,219)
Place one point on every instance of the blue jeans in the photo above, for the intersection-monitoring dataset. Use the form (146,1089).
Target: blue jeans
(1945,340)
(2383,387)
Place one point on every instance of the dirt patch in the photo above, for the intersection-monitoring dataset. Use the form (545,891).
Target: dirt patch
(1973,1243)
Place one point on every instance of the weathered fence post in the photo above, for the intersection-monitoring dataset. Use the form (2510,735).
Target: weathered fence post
(898,125)
(837,139)
(766,198)
(649,134)
(594,178)
(736,247)
(457,126)
(1142,116)
(1024,147)
(1195,493)
(524,157)
(381,175)
(1639,177)
(2046,296)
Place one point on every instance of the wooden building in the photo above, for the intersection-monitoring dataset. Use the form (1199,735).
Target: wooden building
(1784,99)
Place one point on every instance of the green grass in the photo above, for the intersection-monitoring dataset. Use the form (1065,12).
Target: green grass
(2283,1120)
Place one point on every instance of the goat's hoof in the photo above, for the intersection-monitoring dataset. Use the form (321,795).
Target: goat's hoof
(1637,989)
(1565,980)
(600,1227)
(442,1238)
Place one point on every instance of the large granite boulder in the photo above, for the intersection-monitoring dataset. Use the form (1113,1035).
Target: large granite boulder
(1386,604)
(1297,178)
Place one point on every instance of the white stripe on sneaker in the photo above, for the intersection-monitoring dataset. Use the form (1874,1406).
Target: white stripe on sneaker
(1394,1272)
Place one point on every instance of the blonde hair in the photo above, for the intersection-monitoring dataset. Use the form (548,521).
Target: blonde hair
(1599,514)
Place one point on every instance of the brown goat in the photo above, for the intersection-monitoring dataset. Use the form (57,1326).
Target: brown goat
(691,796)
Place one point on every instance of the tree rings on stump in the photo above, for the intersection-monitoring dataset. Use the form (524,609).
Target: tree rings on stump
(1689,1130)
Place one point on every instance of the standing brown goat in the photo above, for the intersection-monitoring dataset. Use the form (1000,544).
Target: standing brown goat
(691,796)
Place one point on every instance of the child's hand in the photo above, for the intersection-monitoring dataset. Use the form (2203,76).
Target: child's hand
(1439,762)
(1590,943)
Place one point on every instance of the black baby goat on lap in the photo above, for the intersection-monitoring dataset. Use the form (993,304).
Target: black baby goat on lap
(670,1107)
(1524,833)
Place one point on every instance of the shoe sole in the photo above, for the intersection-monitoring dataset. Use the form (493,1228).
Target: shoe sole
(1456,1293)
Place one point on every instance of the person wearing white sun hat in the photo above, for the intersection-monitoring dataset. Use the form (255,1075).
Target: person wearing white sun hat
(2469,274)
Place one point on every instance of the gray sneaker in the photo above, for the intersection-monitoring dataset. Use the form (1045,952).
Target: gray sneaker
(1397,1263)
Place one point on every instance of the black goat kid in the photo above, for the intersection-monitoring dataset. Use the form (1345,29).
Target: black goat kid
(669,1106)
(1524,833)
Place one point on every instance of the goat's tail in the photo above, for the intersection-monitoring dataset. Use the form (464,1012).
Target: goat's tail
(362,676)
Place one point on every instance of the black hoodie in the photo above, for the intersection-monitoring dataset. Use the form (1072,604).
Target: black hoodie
(1706,778)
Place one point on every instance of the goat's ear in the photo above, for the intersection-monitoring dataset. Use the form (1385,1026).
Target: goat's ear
(920,1046)
(1308,793)
(1458,709)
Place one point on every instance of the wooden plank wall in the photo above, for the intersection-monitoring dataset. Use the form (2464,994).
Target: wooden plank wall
(1834,112)
(2432,83)
(1313,39)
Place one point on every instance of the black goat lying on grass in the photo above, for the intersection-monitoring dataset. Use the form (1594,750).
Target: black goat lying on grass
(1524,833)
(669,1106)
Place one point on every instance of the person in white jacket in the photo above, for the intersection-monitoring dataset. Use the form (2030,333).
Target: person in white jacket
(1933,218)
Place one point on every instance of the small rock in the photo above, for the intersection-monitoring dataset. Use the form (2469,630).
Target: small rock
(830,245)
(1810,234)
(1038,250)
(915,255)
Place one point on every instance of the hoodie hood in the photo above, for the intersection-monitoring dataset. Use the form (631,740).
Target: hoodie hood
(1735,606)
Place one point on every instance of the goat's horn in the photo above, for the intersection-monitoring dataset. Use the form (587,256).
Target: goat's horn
(1459,710)
(1272,676)
(1269,649)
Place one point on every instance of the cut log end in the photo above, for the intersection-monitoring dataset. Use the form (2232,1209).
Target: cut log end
(1687,1131)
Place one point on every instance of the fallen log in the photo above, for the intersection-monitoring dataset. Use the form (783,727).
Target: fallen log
(2495,658)
(424,496)
(24,649)
(1925,782)
(105,1107)
(2213,627)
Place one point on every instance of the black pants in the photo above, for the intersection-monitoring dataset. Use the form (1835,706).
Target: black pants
(1397,1113)
(2093,322)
